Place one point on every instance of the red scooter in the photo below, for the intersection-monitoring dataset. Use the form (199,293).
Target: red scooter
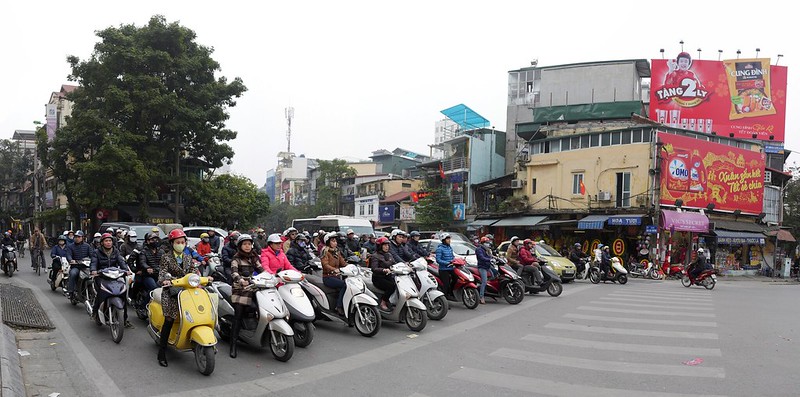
(507,284)
(464,287)
(672,271)
(707,278)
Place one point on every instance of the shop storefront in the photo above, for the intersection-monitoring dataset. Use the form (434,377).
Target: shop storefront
(521,227)
(737,250)
(678,235)
(625,234)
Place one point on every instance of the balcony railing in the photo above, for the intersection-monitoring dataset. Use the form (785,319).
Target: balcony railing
(455,163)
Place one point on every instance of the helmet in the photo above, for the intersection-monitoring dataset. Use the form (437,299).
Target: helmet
(444,236)
(289,230)
(315,234)
(105,236)
(242,238)
(541,241)
(62,237)
(382,240)
(396,232)
(700,250)
(350,231)
(599,246)
(7,233)
(372,235)
(414,234)
(79,233)
(66,232)
(301,237)
(175,234)
(203,235)
(513,239)
(527,241)
(605,247)
(274,238)
(97,235)
(234,235)
(485,239)
(331,235)
(577,245)
(132,234)
(489,236)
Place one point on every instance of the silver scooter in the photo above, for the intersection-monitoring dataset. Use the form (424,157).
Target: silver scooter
(405,304)
(301,313)
(264,325)
(360,307)
(434,300)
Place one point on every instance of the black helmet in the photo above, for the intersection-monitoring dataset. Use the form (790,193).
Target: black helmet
(414,233)
(301,237)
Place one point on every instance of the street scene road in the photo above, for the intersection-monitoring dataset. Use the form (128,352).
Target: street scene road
(646,338)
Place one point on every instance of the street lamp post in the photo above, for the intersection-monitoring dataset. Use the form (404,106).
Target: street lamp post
(36,208)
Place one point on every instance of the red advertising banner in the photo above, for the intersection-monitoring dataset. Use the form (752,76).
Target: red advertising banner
(702,172)
(739,96)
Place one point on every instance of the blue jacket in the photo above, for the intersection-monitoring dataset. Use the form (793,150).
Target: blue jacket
(484,258)
(444,256)
(194,254)
(76,252)
(58,251)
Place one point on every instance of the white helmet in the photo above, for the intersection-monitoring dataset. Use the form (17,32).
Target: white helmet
(132,234)
(331,235)
(700,250)
(444,236)
(397,232)
(289,230)
(274,238)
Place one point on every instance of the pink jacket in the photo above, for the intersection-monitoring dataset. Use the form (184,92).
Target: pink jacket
(274,263)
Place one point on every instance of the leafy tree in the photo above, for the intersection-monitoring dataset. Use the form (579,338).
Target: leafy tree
(148,97)
(329,185)
(791,205)
(435,211)
(16,163)
(228,201)
(281,216)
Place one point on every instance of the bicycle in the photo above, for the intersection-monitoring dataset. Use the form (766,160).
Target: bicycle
(21,248)
(38,260)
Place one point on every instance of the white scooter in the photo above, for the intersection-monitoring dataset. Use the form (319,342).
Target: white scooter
(266,325)
(301,312)
(360,308)
(405,304)
(434,300)
(59,279)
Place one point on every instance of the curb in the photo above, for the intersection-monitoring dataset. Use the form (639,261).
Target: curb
(10,369)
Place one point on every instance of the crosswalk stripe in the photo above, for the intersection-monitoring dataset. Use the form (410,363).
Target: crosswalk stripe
(612,366)
(624,347)
(650,312)
(641,320)
(605,302)
(634,300)
(666,298)
(536,386)
(632,332)
(675,291)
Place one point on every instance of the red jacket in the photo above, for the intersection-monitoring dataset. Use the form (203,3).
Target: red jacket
(274,263)
(203,248)
(526,258)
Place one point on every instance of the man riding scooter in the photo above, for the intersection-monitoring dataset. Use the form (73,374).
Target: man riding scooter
(529,262)
(699,265)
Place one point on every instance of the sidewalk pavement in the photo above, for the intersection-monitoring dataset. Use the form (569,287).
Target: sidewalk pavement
(37,362)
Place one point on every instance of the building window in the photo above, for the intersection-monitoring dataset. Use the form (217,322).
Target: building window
(606,138)
(555,146)
(361,209)
(595,140)
(533,186)
(616,138)
(576,183)
(768,177)
(585,142)
(645,135)
(623,189)
(370,209)
(637,136)
(406,185)
(575,143)
(626,137)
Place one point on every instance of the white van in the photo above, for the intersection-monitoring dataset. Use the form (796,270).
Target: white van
(336,223)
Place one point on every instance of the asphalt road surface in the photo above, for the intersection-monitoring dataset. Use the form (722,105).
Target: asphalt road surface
(594,340)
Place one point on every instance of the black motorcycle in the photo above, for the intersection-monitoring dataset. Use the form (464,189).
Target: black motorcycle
(550,280)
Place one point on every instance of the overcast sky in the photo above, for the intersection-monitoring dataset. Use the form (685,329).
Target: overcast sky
(369,75)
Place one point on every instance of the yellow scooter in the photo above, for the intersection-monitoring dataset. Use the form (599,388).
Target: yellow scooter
(193,330)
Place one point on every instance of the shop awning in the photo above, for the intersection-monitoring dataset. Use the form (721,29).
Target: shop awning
(156,215)
(625,220)
(684,221)
(482,222)
(738,226)
(593,222)
(783,235)
(521,221)
(739,238)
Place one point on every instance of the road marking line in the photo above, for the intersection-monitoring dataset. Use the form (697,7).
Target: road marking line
(632,332)
(536,386)
(661,298)
(611,366)
(642,320)
(624,347)
(605,301)
(287,380)
(656,300)
(649,312)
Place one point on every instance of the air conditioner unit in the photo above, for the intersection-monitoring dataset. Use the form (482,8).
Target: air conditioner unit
(604,196)
(517,183)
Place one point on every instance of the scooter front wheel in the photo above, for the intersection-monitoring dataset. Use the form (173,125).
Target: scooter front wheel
(594,277)
(205,358)
(303,333)
(686,282)
(513,292)
(555,289)
(469,296)
(116,317)
(367,320)
(622,279)
(281,346)
(710,283)
(437,308)
(415,318)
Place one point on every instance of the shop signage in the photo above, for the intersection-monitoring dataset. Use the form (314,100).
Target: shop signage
(386,213)
(742,97)
(651,229)
(407,213)
(618,247)
(741,240)
(700,172)
(459,212)
(625,221)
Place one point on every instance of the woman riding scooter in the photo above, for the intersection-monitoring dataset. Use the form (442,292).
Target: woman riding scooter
(59,251)
(174,264)
(244,263)
(332,260)
(380,262)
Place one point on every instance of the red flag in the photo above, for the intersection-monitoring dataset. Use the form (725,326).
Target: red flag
(583,188)
(441,171)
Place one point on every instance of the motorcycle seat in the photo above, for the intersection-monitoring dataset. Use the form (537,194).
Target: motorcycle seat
(156,295)
(225,291)
(433,270)
(317,281)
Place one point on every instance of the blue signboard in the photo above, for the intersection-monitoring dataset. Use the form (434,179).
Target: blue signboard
(386,214)
(651,229)
(625,220)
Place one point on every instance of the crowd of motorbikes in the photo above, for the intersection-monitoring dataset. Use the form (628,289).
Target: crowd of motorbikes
(289,303)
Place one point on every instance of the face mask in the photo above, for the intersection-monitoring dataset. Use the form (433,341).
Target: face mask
(152,244)
(178,247)
(205,240)
(302,244)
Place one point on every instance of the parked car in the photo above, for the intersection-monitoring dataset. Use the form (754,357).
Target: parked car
(193,235)
(454,236)
(140,228)
(561,265)
(461,249)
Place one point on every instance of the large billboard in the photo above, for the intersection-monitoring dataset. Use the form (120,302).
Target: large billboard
(739,96)
(702,172)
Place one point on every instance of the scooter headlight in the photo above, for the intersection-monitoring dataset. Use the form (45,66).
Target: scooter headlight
(194,280)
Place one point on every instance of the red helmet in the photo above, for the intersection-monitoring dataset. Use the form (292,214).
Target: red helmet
(527,241)
(176,233)
(382,240)
(485,239)
(459,261)
(105,236)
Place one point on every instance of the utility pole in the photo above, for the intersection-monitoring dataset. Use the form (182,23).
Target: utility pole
(38,125)
(289,116)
